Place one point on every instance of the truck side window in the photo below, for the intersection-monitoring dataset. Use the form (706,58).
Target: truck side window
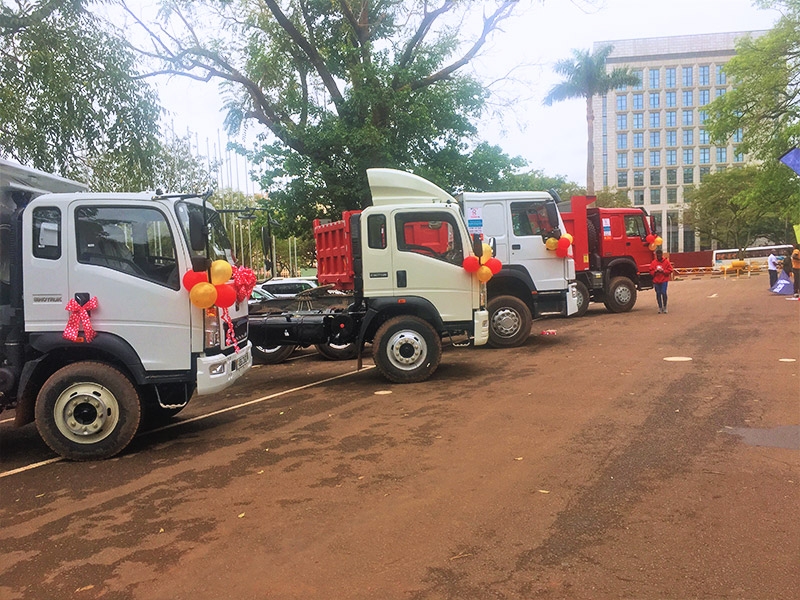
(529,218)
(634,226)
(434,235)
(376,231)
(135,241)
(47,233)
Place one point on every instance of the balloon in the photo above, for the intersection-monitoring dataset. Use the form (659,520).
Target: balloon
(551,243)
(226,295)
(221,272)
(568,236)
(487,253)
(484,274)
(203,295)
(494,265)
(653,246)
(650,239)
(471,264)
(563,243)
(562,252)
(192,278)
(658,241)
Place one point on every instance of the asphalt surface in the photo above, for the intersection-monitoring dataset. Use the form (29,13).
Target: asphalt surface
(581,465)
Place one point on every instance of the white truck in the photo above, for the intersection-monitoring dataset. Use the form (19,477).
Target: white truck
(97,334)
(402,260)
(534,282)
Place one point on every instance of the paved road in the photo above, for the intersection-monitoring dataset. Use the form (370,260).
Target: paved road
(582,465)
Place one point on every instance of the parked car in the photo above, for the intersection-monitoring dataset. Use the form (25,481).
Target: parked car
(287,287)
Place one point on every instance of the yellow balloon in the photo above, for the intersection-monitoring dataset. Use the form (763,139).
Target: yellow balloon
(568,236)
(203,295)
(221,272)
(487,253)
(551,243)
(658,241)
(484,274)
(653,246)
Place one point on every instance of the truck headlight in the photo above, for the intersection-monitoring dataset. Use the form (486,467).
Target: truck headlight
(211,324)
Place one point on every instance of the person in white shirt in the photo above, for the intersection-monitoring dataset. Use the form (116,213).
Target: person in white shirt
(772,266)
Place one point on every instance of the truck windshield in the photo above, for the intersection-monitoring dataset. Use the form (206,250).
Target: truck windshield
(219,245)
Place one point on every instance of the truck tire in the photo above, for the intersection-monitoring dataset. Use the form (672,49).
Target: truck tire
(509,322)
(272,355)
(338,351)
(407,349)
(88,411)
(583,299)
(621,295)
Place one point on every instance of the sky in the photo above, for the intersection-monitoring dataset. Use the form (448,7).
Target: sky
(552,139)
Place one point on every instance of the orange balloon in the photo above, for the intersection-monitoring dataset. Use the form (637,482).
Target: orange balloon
(569,237)
(484,274)
(203,295)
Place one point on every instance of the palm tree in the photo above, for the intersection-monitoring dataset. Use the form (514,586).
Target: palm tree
(585,76)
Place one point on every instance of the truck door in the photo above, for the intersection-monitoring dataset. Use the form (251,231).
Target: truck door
(530,226)
(126,256)
(636,245)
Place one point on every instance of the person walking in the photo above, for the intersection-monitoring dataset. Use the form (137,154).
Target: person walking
(661,270)
(773,262)
(796,270)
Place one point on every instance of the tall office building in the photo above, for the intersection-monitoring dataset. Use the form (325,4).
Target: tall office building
(650,140)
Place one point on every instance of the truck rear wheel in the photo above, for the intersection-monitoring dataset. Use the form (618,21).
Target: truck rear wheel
(88,411)
(407,349)
(621,295)
(338,351)
(583,299)
(272,355)
(509,322)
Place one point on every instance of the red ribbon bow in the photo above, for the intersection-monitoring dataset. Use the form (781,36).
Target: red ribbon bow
(79,319)
(244,280)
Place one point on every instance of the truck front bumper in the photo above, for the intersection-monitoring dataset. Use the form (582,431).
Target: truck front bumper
(215,373)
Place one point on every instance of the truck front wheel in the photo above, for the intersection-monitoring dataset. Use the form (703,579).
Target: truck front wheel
(621,295)
(583,299)
(509,322)
(407,349)
(88,411)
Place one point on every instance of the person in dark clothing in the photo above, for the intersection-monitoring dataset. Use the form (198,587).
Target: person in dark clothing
(661,270)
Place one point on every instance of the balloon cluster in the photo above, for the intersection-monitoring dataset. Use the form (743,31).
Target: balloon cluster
(485,266)
(204,293)
(654,241)
(559,244)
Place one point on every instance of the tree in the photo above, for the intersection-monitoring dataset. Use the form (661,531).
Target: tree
(585,76)
(613,198)
(338,87)
(67,96)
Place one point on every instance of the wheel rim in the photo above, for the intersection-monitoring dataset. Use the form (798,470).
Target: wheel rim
(506,322)
(86,413)
(406,349)
(622,295)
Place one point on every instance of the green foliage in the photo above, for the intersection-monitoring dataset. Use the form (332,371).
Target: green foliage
(613,198)
(67,96)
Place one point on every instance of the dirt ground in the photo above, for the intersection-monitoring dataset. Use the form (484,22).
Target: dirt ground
(582,465)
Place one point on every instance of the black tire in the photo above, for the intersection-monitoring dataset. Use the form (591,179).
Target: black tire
(407,349)
(583,299)
(510,322)
(621,295)
(88,411)
(272,355)
(338,351)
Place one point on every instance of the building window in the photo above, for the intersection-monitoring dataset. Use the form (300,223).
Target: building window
(688,98)
(672,176)
(638,140)
(638,197)
(720,92)
(622,122)
(688,156)
(688,175)
(672,195)
(655,120)
(655,99)
(671,99)
(722,155)
(705,138)
(638,120)
(703,172)
(638,159)
(737,156)
(687,117)
(688,137)
(638,101)
(687,76)
(655,139)
(638,178)
(672,118)
(655,158)
(672,138)
(672,157)
(655,177)
(721,77)
(639,75)
(622,141)
(737,135)
(654,78)
(702,115)
(703,75)
(622,179)
(703,97)
(622,160)
(669,77)
(655,196)
(622,102)
(705,156)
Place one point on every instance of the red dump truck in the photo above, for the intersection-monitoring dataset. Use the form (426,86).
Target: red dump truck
(611,252)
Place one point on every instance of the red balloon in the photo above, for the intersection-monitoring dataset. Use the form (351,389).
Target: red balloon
(471,264)
(494,265)
(563,244)
(562,252)
(226,295)
(650,238)
(192,278)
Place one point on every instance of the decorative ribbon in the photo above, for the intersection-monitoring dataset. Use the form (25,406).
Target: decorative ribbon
(230,335)
(244,280)
(79,319)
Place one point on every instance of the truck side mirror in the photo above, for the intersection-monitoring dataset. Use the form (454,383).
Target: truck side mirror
(477,245)
(198,233)
(266,247)
(552,213)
